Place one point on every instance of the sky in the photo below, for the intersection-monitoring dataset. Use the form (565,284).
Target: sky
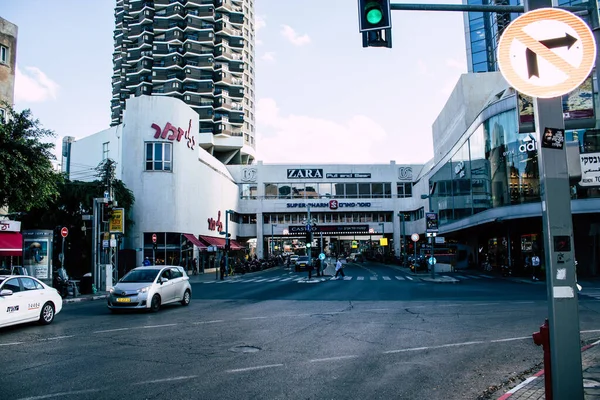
(320,96)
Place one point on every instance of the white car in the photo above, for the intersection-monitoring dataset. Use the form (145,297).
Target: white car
(26,299)
(151,287)
(294,259)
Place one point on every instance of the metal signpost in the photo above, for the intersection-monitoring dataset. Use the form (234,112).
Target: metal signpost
(546,53)
(431,229)
(415,238)
(154,248)
(64,232)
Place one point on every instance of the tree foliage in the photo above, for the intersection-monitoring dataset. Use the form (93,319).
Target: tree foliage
(27,177)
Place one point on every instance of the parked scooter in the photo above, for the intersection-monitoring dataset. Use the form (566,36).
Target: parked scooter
(60,281)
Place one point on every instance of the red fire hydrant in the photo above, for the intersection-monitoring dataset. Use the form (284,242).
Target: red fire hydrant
(542,338)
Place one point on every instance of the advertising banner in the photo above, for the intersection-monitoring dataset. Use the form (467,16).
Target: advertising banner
(37,253)
(578,109)
(117,221)
(431,222)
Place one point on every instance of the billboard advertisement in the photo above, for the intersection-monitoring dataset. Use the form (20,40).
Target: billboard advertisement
(431,222)
(37,253)
(578,109)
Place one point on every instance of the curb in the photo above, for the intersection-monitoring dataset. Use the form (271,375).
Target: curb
(538,375)
(80,299)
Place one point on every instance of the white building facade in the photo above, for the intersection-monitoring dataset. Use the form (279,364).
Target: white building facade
(186,197)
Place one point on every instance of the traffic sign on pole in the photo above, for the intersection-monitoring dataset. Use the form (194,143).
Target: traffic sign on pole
(547,52)
(64,232)
(154,238)
(415,237)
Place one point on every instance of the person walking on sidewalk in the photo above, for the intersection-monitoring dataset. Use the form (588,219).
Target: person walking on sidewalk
(222,267)
(339,269)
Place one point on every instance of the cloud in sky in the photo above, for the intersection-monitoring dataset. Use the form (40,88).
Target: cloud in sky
(290,34)
(304,139)
(259,22)
(269,56)
(33,85)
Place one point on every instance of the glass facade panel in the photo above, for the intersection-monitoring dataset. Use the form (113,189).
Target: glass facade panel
(351,190)
(480,172)
(461,183)
(324,190)
(364,190)
(338,190)
(298,190)
(284,190)
(271,190)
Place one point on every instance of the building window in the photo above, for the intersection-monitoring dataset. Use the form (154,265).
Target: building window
(105,150)
(4,54)
(158,156)
(404,189)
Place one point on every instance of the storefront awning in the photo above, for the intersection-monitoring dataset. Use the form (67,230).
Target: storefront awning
(195,241)
(11,244)
(220,242)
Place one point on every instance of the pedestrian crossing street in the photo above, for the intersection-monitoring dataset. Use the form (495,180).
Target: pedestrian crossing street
(301,278)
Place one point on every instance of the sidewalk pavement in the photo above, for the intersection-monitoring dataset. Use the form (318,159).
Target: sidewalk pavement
(533,388)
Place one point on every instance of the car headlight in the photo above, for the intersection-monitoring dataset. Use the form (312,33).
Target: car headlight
(112,289)
(144,290)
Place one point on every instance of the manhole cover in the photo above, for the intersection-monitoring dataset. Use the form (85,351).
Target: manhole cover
(245,349)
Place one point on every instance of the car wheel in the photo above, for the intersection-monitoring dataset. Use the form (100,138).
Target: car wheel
(155,304)
(47,314)
(187,297)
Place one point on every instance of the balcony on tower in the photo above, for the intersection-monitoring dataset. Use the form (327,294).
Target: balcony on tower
(202,12)
(172,62)
(192,48)
(223,27)
(198,87)
(194,74)
(138,6)
(167,75)
(199,36)
(198,24)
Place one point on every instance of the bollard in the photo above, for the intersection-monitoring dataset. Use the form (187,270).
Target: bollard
(542,338)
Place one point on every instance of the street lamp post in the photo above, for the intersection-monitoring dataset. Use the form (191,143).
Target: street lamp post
(383,234)
(403,238)
(226,233)
(272,249)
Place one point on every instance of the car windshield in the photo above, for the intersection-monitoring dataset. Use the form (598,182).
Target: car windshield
(303,258)
(141,275)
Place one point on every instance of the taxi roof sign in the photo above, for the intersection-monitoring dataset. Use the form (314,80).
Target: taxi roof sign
(547,52)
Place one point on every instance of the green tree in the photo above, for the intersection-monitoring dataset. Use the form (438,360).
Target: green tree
(27,177)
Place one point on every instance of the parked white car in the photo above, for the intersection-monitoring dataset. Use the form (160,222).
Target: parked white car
(27,299)
(151,287)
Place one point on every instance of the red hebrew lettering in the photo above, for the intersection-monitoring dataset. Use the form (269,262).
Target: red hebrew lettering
(169,128)
(157,129)
(180,133)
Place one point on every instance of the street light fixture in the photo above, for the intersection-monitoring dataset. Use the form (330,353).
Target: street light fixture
(272,249)
(383,235)
(226,233)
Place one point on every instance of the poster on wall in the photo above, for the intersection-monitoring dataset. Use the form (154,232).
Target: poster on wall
(578,109)
(590,169)
(37,253)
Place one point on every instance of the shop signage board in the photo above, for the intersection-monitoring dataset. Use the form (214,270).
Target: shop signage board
(431,221)
(117,221)
(546,53)
(590,169)
(333,229)
(10,226)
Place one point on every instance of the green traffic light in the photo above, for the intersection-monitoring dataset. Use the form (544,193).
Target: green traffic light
(374,15)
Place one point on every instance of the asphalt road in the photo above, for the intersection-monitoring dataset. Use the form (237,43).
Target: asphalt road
(382,337)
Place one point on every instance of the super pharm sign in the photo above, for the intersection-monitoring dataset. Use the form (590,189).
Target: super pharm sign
(172,133)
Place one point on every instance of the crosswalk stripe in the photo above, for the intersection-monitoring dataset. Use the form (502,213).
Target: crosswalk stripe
(373,278)
(286,279)
(273,280)
(400,278)
(261,280)
(487,276)
(360,278)
(387,278)
(409,278)
(461,277)
(348,278)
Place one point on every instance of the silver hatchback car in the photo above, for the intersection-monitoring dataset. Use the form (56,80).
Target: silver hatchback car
(150,288)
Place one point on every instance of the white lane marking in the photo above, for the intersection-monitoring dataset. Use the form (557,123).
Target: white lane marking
(49,396)
(348,278)
(474,277)
(487,276)
(249,318)
(58,337)
(255,368)
(286,279)
(433,347)
(360,278)
(591,331)
(10,344)
(387,278)
(461,277)
(373,278)
(483,304)
(209,282)
(209,322)
(522,384)
(378,309)
(332,358)
(523,302)
(156,326)
(176,378)
(113,330)
(273,280)
(400,278)
(409,278)
(510,339)
(260,280)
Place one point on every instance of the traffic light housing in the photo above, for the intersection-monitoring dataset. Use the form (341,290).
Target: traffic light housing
(375,23)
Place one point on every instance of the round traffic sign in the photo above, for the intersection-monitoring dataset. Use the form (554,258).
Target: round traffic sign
(414,237)
(547,52)
(432,261)
(64,232)
(322,256)
(154,238)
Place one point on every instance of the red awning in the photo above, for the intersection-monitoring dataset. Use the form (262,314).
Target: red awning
(220,242)
(195,241)
(11,244)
